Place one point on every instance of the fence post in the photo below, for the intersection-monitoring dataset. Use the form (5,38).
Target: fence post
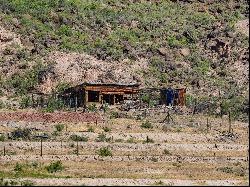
(41,147)
(4,151)
(230,122)
(207,125)
(77,148)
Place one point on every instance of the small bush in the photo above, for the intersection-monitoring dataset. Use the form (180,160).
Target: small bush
(131,140)
(25,102)
(226,169)
(154,159)
(79,138)
(27,183)
(147,125)
(24,134)
(18,167)
(92,108)
(2,105)
(54,167)
(91,129)
(119,140)
(59,127)
(106,129)
(114,115)
(2,138)
(102,138)
(166,152)
(105,151)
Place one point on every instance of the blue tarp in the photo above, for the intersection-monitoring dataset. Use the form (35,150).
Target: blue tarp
(170,96)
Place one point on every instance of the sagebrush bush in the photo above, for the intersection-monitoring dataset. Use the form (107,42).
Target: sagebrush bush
(147,125)
(104,151)
(54,167)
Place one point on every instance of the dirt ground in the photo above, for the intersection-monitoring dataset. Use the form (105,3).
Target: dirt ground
(182,153)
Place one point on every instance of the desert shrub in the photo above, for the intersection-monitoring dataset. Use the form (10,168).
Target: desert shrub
(92,108)
(153,159)
(147,125)
(114,115)
(104,151)
(27,183)
(79,138)
(59,127)
(102,138)
(62,86)
(2,138)
(54,167)
(53,104)
(119,140)
(106,129)
(18,167)
(91,129)
(24,134)
(26,81)
(166,152)
(7,183)
(2,105)
(225,169)
(25,102)
(145,98)
(131,140)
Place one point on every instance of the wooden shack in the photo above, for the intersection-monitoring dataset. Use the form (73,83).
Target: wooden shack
(86,93)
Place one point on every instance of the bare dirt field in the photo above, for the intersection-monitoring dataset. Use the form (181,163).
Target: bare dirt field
(185,152)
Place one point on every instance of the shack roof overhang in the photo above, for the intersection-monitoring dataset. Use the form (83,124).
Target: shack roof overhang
(106,87)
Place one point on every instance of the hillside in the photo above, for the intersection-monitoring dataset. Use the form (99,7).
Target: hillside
(201,45)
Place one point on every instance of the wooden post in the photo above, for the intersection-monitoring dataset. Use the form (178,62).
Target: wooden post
(140,100)
(114,99)
(207,125)
(86,97)
(230,122)
(77,148)
(41,147)
(4,151)
(96,121)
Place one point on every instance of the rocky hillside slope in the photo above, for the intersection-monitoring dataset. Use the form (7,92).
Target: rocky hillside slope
(202,45)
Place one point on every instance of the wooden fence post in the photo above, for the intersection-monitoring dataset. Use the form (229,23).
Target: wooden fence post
(77,148)
(207,125)
(4,151)
(230,122)
(41,147)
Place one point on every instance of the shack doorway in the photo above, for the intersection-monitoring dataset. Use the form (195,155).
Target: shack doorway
(118,98)
(93,96)
(108,98)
